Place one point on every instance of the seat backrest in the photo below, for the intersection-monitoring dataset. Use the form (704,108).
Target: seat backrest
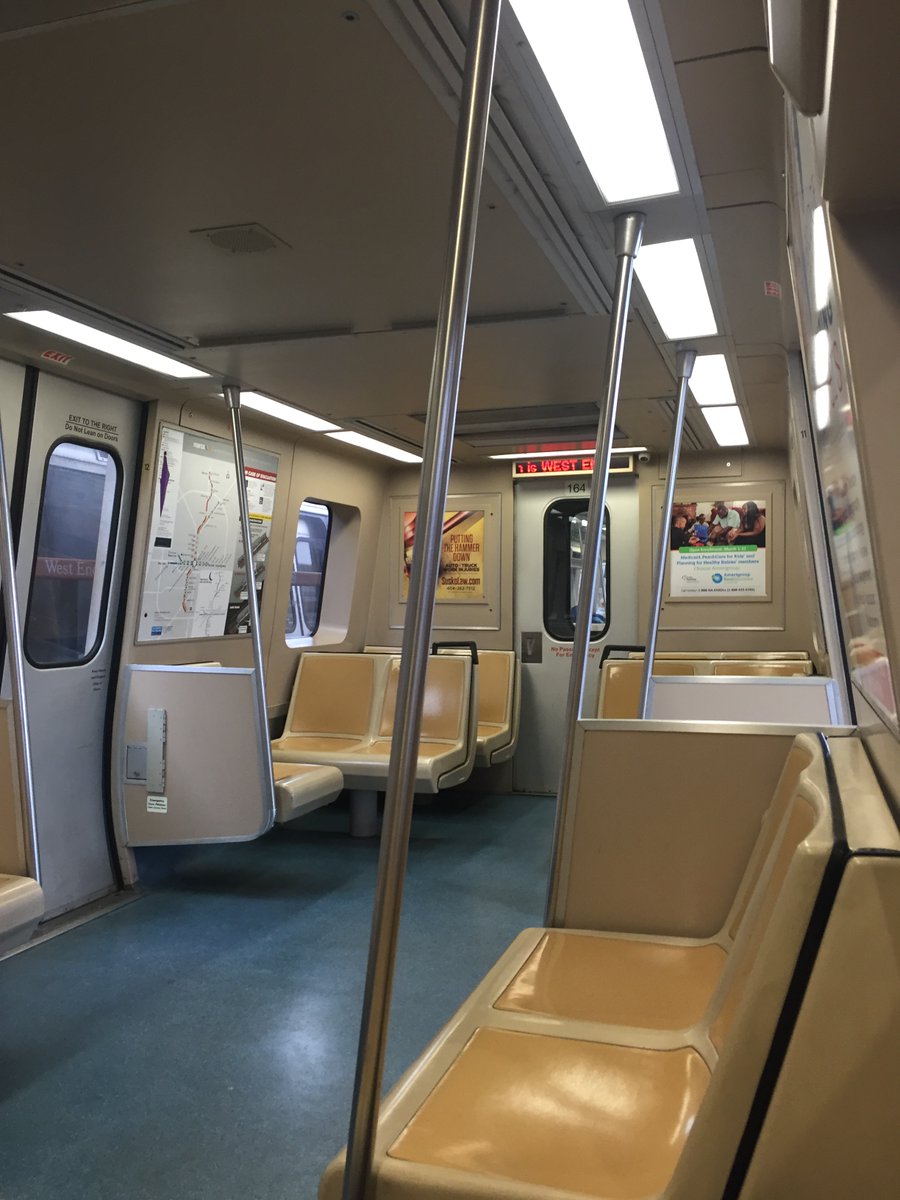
(446,702)
(736,667)
(333,694)
(620,685)
(798,824)
(496,676)
(799,758)
(745,1011)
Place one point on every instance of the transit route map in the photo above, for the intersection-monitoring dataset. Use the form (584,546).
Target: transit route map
(195,581)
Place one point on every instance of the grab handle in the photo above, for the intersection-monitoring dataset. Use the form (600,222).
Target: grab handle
(470,646)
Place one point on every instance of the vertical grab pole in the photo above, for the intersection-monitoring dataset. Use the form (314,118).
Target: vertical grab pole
(17,670)
(629,232)
(685,360)
(233,400)
(440,425)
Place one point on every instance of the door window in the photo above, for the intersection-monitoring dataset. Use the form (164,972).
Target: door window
(308,575)
(73,554)
(565,528)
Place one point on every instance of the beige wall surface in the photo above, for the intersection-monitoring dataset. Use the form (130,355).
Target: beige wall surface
(477,482)
(784,622)
(307,468)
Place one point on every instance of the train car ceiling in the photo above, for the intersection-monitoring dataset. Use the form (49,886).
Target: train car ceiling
(287,230)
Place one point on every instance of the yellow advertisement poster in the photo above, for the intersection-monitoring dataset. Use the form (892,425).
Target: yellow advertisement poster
(461,574)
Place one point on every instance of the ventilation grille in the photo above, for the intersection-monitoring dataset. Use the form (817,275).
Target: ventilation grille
(689,435)
(502,426)
(242,239)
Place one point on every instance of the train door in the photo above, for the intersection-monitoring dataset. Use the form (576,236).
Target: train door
(79,479)
(550,519)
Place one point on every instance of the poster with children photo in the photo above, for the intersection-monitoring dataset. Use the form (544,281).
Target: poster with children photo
(717,549)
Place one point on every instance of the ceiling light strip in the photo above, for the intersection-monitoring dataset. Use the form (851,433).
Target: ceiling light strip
(727,425)
(591,57)
(107,343)
(352,438)
(589,450)
(672,277)
(711,381)
(286,412)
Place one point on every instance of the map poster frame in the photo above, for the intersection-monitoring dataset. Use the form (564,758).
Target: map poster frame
(719,565)
(194,584)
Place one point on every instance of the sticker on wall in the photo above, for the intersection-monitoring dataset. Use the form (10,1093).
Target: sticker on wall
(158,804)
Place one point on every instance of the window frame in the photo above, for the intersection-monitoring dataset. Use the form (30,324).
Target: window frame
(103,612)
(569,506)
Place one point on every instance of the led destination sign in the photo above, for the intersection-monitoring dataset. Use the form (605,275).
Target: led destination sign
(575,464)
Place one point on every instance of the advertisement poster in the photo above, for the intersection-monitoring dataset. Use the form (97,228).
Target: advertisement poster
(195,581)
(717,549)
(461,574)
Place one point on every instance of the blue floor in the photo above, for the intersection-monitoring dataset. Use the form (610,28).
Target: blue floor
(201,1042)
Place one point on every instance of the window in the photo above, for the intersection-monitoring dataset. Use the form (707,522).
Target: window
(565,528)
(308,575)
(73,556)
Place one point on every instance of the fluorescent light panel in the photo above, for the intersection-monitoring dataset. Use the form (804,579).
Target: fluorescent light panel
(727,425)
(569,453)
(591,57)
(286,412)
(107,343)
(367,443)
(710,380)
(671,275)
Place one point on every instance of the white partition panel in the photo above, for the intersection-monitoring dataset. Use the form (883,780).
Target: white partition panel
(799,700)
(188,760)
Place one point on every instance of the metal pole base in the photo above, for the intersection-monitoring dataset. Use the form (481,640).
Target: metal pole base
(363,814)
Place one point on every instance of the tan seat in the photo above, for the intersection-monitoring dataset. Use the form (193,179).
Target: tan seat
(566,1093)
(620,685)
(499,701)
(734,667)
(342,715)
(332,707)
(646,982)
(302,788)
(21,907)
(585,1117)
(446,751)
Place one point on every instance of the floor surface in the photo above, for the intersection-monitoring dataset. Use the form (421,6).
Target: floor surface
(201,1042)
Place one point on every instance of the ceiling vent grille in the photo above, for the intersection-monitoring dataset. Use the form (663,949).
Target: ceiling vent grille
(689,437)
(242,239)
(499,426)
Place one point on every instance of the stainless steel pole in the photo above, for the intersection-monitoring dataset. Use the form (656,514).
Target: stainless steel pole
(233,399)
(441,421)
(684,365)
(17,672)
(629,232)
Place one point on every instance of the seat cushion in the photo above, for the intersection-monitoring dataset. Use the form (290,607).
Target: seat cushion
(293,746)
(303,788)
(586,1117)
(616,981)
